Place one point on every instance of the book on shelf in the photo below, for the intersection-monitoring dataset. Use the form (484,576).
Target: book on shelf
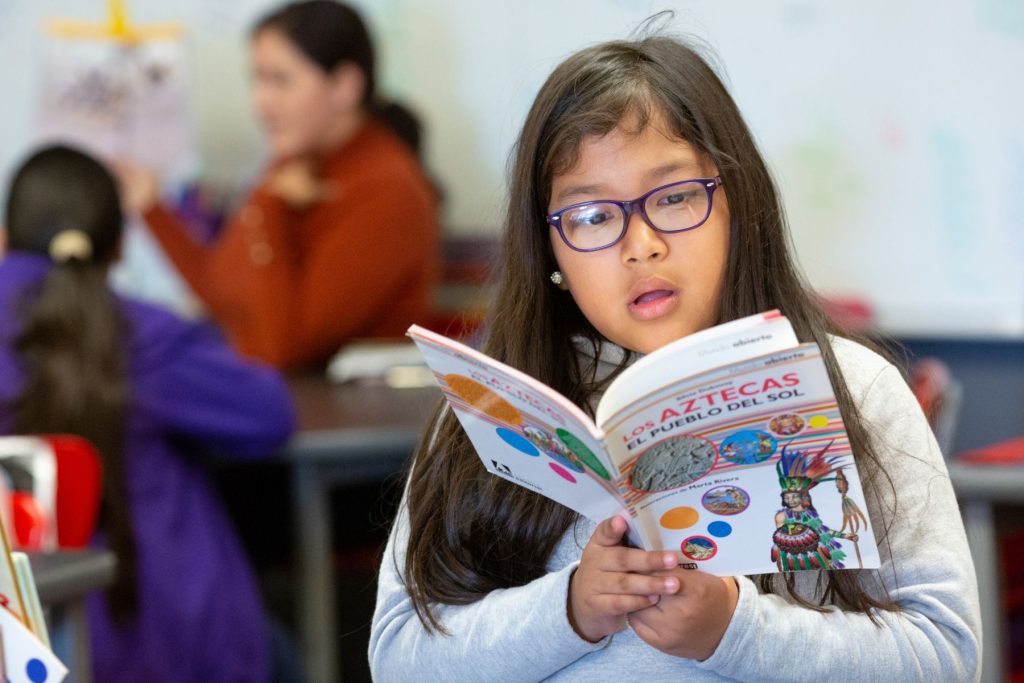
(726,447)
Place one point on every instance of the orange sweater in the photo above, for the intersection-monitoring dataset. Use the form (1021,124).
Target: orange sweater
(290,286)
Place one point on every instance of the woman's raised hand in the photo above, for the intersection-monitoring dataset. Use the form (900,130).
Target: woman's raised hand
(296,183)
(138,185)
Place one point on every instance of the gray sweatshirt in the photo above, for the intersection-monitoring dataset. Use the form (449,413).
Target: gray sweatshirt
(523,633)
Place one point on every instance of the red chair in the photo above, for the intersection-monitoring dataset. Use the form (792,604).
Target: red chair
(79,489)
(76,492)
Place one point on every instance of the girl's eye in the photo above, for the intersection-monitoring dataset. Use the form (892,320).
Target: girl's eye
(591,217)
(680,197)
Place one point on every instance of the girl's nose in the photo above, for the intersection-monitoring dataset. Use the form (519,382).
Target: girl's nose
(642,242)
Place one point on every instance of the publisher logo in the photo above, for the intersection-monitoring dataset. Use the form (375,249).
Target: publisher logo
(501,468)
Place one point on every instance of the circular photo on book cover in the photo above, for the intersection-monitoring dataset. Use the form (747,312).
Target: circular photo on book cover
(786,424)
(748,447)
(552,447)
(699,548)
(726,500)
(672,463)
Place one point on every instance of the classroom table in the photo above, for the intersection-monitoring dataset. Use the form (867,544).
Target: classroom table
(62,580)
(347,434)
(979,489)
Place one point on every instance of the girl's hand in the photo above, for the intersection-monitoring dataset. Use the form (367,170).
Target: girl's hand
(691,622)
(613,580)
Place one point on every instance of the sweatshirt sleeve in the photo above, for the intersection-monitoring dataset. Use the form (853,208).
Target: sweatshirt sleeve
(199,263)
(307,301)
(926,568)
(290,294)
(197,389)
(530,618)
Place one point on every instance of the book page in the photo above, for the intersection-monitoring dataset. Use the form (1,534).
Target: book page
(704,350)
(522,430)
(745,469)
(26,658)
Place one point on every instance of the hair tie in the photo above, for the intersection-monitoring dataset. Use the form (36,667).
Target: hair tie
(70,244)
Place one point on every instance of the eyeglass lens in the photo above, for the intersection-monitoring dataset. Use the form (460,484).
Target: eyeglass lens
(597,224)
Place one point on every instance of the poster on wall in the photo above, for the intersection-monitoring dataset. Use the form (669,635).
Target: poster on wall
(118,90)
(121,93)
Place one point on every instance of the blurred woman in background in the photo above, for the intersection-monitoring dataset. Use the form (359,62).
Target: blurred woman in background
(339,238)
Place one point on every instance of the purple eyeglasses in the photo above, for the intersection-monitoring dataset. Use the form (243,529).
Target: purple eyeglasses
(596,225)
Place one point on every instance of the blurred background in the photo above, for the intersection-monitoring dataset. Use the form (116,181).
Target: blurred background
(896,133)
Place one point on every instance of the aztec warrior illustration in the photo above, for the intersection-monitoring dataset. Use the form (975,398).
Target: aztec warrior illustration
(801,540)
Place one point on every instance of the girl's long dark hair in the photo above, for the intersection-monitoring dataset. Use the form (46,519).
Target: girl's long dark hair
(331,33)
(471,532)
(71,332)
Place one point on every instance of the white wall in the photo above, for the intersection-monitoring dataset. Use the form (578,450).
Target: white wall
(896,129)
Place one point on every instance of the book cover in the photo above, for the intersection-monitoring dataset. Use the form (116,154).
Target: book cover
(725,447)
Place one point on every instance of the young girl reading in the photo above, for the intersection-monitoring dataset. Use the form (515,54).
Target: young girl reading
(641,211)
(153,393)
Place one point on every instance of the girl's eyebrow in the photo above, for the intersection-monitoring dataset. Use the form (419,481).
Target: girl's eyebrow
(576,191)
(690,167)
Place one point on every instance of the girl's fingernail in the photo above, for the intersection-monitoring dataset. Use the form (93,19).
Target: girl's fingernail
(671,585)
(669,561)
(653,598)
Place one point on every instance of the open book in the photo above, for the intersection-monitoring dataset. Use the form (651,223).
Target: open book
(726,447)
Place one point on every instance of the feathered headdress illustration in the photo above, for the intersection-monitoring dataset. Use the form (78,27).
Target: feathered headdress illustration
(800,471)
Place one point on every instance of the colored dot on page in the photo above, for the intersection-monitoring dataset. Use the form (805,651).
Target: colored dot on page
(818,421)
(679,518)
(518,442)
(36,671)
(562,472)
(720,529)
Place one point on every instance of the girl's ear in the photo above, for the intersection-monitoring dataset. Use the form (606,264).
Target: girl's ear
(348,84)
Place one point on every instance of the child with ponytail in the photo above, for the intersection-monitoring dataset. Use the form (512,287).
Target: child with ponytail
(152,393)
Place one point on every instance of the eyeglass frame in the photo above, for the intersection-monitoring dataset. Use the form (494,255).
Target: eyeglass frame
(631,206)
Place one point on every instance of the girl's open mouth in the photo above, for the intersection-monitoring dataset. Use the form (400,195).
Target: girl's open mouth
(653,304)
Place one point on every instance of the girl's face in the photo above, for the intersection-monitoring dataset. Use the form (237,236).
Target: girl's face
(650,288)
(297,103)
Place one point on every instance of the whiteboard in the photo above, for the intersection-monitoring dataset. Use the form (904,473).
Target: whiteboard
(895,130)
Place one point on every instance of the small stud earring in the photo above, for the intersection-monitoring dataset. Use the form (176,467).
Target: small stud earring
(556,277)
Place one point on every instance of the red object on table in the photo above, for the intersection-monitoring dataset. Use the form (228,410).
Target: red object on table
(1009,452)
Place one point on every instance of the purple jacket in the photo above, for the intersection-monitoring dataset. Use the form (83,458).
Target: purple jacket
(200,616)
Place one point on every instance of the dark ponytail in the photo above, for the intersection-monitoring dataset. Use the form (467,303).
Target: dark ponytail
(402,122)
(65,205)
